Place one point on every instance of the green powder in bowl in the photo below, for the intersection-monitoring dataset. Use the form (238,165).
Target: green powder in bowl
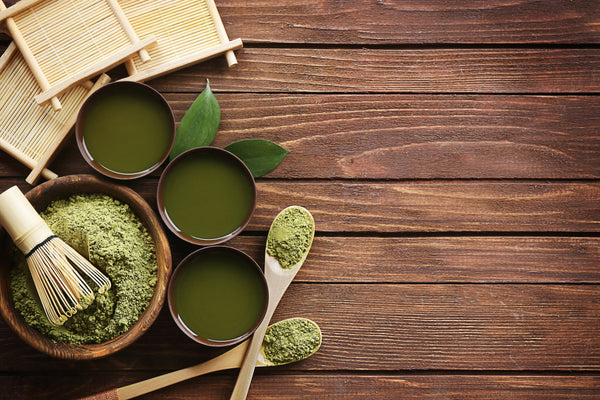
(116,242)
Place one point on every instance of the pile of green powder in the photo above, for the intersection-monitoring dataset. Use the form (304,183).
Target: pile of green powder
(290,236)
(291,340)
(119,245)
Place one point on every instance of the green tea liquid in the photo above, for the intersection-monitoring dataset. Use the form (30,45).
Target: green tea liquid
(207,197)
(219,296)
(127,131)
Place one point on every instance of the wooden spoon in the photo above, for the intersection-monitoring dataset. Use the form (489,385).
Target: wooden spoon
(278,280)
(231,359)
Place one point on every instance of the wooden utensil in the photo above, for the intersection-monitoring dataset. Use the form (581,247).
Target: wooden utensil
(278,280)
(231,359)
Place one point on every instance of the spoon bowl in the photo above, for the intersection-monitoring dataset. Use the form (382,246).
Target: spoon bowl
(263,361)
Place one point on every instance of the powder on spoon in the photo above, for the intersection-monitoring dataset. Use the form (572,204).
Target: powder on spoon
(290,236)
(118,245)
(291,340)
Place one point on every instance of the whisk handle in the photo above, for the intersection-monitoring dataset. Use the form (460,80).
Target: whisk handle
(111,394)
(21,220)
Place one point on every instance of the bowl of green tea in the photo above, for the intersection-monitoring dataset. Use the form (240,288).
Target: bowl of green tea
(218,296)
(206,195)
(125,130)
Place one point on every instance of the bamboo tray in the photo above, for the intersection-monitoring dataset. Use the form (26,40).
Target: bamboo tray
(65,42)
(30,132)
(187,32)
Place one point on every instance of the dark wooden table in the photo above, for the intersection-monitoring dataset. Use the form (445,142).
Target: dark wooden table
(450,153)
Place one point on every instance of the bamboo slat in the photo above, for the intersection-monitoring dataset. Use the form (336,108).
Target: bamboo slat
(29,132)
(28,55)
(65,42)
(187,32)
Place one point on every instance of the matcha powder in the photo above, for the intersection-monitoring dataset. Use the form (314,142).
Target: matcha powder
(290,236)
(291,340)
(108,233)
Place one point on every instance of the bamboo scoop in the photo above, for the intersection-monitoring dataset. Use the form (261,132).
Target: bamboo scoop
(278,280)
(231,359)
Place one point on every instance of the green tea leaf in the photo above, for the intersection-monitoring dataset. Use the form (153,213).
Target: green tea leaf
(199,125)
(260,156)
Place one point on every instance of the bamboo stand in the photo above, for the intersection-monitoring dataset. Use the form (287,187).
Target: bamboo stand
(29,132)
(64,45)
(187,32)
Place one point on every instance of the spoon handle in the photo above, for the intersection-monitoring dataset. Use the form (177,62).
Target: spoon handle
(230,359)
(242,385)
(278,280)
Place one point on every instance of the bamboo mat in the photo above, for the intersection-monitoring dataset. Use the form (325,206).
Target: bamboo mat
(187,32)
(67,41)
(30,132)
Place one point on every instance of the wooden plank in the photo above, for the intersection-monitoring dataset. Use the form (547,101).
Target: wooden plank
(404,136)
(438,206)
(391,327)
(438,259)
(415,22)
(271,385)
(418,137)
(482,70)
(487,327)
(446,259)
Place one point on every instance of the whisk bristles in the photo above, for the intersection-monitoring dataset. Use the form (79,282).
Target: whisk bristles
(55,268)
(54,265)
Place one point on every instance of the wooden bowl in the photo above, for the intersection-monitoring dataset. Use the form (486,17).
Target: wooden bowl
(63,187)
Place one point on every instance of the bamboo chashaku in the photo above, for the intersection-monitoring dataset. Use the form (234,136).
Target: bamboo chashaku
(55,267)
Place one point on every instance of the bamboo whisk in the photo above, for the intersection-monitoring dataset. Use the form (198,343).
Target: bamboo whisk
(53,263)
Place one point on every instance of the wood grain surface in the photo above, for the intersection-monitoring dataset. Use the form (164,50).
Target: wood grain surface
(339,386)
(387,136)
(419,22)
(431,207)
(450,154)
(422,70)
(389,327)
(415,22)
